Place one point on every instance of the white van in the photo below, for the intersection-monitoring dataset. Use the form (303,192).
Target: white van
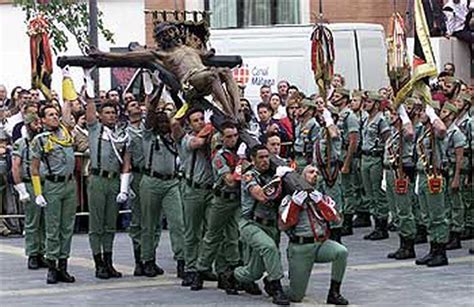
(274,53)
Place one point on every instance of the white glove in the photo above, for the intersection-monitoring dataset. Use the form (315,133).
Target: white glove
(417,184)
(328,118)
(88,82)
(147,83)
(383,184)
(207,116)
(316,196)
(41,201)
(430,112)
(66,72)
(403,115)
(22,193)
(283,170)
(241,150)
(299,197)
(125,180)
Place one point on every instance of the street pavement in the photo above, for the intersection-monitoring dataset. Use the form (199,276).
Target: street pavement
(371,279)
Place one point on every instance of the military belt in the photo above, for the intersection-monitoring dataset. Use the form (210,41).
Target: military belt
(104,174)
(264,222)
(28,180)
(58,178)
(302,240)
(195,185)
(372,153)
(160,176)
(226,195)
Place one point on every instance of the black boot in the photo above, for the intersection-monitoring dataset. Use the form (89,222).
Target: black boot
(274,287)
(251,288)
(439,256)
(208,276)
(347,225)
(63,275)
(138,271)
(42,262)
(187,280)
(158,269)
(33,263)
(100,269)
(110,267)
(197,281)
(421,234)
(52,277)
(471,251)
(334,295)
(424,260)
(149,269)
(229,289)
(180,269)
(380,232)
(454,241)
(229,283)
(468,233)
(335,235)
(362,220)
(406,250)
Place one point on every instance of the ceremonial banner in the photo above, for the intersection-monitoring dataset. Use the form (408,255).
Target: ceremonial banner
(41,58)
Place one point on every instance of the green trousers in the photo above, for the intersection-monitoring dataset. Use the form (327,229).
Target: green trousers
(468,200)
(371,170)
(454,202)
(195,203)
(363,205)
(222,234)
(103,212)
(158,196)
(301,258)
(60,214)
(350,193)
(420,220)
(434,209)
(135,228)
(35,234)
(402,207)
(264,254)
(390,196)
(335,192)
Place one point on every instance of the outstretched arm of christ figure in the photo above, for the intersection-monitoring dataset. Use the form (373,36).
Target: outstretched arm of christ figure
(140,58)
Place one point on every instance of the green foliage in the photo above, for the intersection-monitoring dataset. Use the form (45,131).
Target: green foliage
(70,15)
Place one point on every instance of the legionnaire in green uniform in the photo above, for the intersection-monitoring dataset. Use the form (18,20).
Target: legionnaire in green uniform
(375,132)
(160,191)
(195,156)
(34,215)
(306,227)
(465,122)
(53,151)
(306,133)
(109,152)
(431,186)
(399,168)
(361,204)
(327,153)
(135,131)
(454,143)
(4,156)
(348,125)
(258,229)
(224,212)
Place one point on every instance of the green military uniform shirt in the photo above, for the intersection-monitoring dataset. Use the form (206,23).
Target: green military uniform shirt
(250,206)
(136,146)
(372,132)
(59,160)
(200,165)
(347,123)
(424,150)
(466,125)
(160,153)
(21,149)
(321,147)
(454,139)
(305,136)
(392,147)
(224,162)
(108,160)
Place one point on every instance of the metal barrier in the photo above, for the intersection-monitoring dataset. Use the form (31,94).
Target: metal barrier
(21,216)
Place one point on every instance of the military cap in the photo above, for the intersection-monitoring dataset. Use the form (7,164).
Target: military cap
(30,117)
(357,93)
(306,102)
(375,96)
(464,97)
(436,105)
(342,91)
(450,107)
(450,79)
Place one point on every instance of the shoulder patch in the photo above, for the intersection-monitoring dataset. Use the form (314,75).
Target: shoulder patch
(219,163)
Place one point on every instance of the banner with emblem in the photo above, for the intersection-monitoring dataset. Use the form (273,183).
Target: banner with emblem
(256,72)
